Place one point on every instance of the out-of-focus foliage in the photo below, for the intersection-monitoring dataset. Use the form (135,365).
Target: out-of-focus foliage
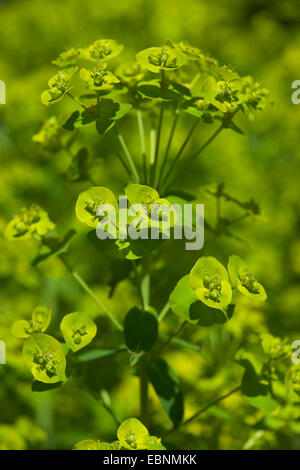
(250,179)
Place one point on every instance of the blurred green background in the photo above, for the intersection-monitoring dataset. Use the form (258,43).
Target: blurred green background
(260,38)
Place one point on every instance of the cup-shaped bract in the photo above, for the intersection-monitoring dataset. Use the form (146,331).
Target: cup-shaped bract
(156,59)
(89,204)
(39,323)
(44,356)
(102,50)
(133,435)
(209,279)
(67,58)
(59,85)
(78,330)
(192,53)
(141,194)
(130,73)
(243,279)
(275,348)
(28,222)
(98,78)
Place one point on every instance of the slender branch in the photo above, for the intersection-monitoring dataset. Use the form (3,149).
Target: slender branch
(159,128)
(145,284)
(152,152)
(238,219)
(195,79)
(138,283)
(196,154)
(142,139)
(92,294)
(205,408)
(170,337)
(75,100)
(143,391)
(121,160)
(183,146)
(128,157)
(164,312)
(99,400)
(176,117)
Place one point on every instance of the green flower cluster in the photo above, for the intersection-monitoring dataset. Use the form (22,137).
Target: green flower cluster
(28,223)
(131,434)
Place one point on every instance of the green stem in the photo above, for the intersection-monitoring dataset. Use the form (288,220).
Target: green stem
(75,100)
(169,338)
(127,169)
(183,146)
(99,400)
(176,117)
(89,291)
(195,79)
(205,408)
(196,154)
(159,128)
(164,312)
(145,284)
(128,157)
(139,284)
(142,139)
(152,152)
(143,391)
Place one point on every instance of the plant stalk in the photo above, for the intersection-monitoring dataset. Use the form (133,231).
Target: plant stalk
(143,391)
(92,294)
(179,153)
(142,140)
(176,117)
(128,157)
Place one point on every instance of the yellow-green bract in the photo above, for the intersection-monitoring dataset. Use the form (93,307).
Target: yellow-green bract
(209,279)
(132,435)
(29,222)
(92,199)
(78,330)
(44,356)
(39,323)
(102,49)
(156,59)
(243,279)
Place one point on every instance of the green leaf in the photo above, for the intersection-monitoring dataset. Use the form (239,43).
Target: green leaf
(182,297)
(101,245)
(249,361)
(44,356)
(140,330)
(94,354)
(152,90)
(78,330)
(185,303)
(167,388)
(37,386)
(81,118)
(257,392)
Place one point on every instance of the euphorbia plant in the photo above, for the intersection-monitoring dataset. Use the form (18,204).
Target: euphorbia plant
(173,80)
